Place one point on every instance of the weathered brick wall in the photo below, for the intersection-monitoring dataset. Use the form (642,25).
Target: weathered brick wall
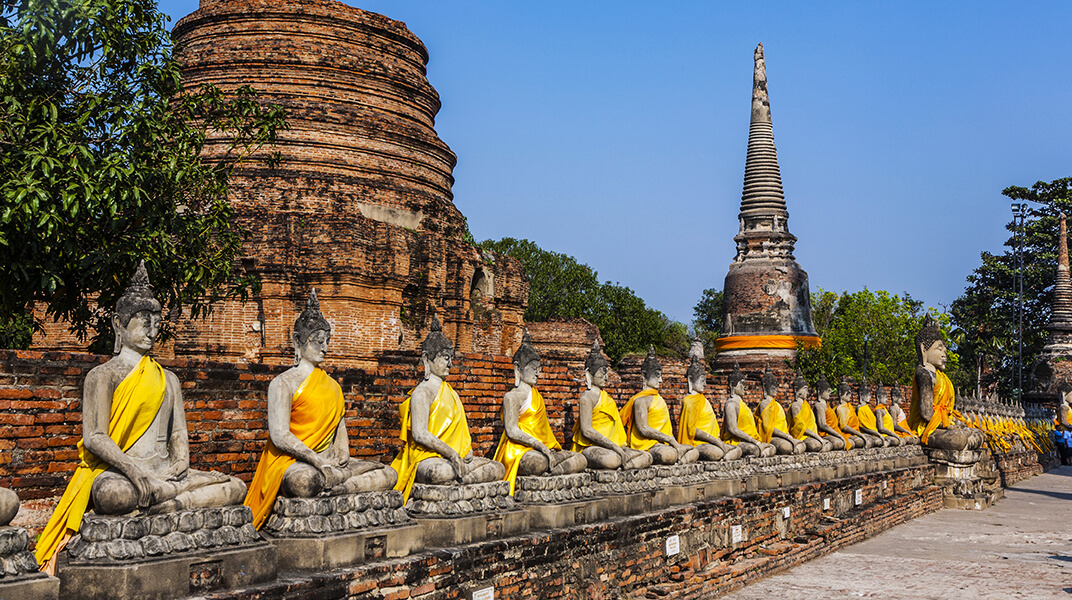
(626,558)
(1018,465)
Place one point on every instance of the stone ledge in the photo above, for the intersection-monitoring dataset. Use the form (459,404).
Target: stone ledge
(309,517)
(437,501)
(552,489)
(30,587)
(348,549)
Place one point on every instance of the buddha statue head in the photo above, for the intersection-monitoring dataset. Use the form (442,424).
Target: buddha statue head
(880,395)
(770,383)
(844,390)
(596,367)
(737,381)
(696,375)
(930,349)
(824,387)
(526,362)
(437,353)
(864,393)
(896,395)
(800,387)
(651,370)
(136,319)
(312,332)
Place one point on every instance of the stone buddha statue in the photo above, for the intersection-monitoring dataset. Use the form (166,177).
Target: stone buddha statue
(598,432)
(1064,409)
(9,506)
(773,426)
(826,419)
(886,425)
(804,427)
(528,446)
(134,454)
(446,456)
(308,448)
(848,422)
(646,419)
(868,420)
(738,424)
(932,415)
(698,425)
(900,419)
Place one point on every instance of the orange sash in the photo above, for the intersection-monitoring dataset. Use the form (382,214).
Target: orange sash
(746,423)
(532,419)
(696,415)
(833,422)
(605,420)
(772,417)
(944,397)
(658,419)
(446,421)
(804,421)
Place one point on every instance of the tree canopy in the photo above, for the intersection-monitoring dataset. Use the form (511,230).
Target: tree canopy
(562,288)
(707,319)
(100,164)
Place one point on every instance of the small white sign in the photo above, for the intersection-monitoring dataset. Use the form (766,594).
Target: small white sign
(785,513)
(883,485)
(826,503)
(487,593)
(859,497)
(673,545)
(735,533)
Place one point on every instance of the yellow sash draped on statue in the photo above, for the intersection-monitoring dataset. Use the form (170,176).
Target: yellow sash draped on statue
(944,397)
(446,421)
(696,415)
(835,424)
(867,418)
(772,417)
(315,410)
(135,403)
(533,421)
(658,419)
(746,424)
(804,421)
(605,420)
(847,417)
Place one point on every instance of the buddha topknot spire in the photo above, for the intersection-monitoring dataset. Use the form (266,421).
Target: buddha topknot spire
(595,361)
(650,367)
(696,367)
(526,352)
(799,382)
(436,341)
(770,382)
(310,319)
(736,376)
(138,296)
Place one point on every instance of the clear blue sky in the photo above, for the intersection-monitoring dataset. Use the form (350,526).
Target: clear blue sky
(616,131)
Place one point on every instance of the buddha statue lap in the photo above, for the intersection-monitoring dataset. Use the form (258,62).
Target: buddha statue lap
(528,446)
(932,414)
(804,426)
(869,423)
(446,457)
(308,448)
(134,454)
(646,419)
(826,419)
(773,426)
(598,433)
(698,426)
(738,424)
(848,422)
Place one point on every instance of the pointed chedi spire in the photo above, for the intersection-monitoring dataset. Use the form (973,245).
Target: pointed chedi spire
(762,195)
(1061,315)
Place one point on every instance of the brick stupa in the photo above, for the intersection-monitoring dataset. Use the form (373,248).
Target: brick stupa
(1053,368)
(767,304)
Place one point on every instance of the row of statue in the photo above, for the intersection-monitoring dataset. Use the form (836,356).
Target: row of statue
(134,453)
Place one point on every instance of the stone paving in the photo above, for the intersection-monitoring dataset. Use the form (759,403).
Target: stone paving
(1019,548)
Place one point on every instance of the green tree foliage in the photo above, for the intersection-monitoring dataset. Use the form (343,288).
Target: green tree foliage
(865,329)
(707,321)
(562,288)
(986,313)
(100,163)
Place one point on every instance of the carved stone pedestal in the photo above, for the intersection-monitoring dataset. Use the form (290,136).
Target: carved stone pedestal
(19,577)
(165,556)
(968,478)
(628,492)
(681,484)
(453,515)
(553,502)
(341,531)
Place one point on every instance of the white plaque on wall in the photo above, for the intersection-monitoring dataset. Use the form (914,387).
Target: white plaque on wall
(826,503)
(859,497)
(785,513)
(487,593)
(673,545)
(735,532)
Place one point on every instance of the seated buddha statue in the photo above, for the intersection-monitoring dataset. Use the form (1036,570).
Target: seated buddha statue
(698,426)
(848,422)
(598,432)
(773,426)
(646,419)
(738,424)
(308,448)
(826,419)
(134,456)
(886,425)
(804,427)
(528,446)
(932,415)
(446,456)
(1064,410)
(869,421)
(900,419)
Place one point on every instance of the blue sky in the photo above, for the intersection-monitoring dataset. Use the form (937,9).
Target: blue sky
(616,131)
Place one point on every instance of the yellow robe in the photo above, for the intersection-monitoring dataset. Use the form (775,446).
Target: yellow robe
(696,415)
(746,423)
(804,421)
(315,411)
(832,421)
(867,418)
(944,398)
(605,420)
(532,419)
(135,404)
(658,419)
(772,417)
(446,421)
(847,417)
